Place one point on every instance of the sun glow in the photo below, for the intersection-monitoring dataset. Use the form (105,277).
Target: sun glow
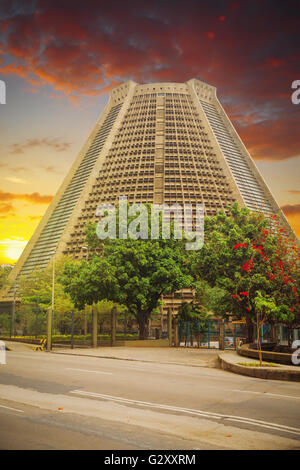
(12,248)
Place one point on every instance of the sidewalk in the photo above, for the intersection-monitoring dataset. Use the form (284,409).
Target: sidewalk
(231,361)
(179,356)
(227,360)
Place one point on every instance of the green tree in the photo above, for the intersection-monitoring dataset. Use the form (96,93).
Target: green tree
(35,292)
(4,273)
(135,273)
(240,257)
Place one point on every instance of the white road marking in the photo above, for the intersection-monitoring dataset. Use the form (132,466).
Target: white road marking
(207,414)
(273,427)
(274,395)
(92,371)
(138,402)
(13,409)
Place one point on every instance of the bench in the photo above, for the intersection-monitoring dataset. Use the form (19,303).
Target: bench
(41,346)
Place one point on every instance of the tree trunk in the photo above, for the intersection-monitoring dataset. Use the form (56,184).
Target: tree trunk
(274,335)
(249,330)
(290,337)
(258,341)
(142,329)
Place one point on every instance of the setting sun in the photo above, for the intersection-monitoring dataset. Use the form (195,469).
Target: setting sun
(11,248)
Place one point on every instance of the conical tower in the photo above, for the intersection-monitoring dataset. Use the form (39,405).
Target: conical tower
(163,143)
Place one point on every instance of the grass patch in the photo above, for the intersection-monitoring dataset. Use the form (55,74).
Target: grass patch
(257,364)
(77,338)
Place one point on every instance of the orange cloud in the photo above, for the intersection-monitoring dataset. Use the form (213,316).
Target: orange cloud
(87,52)
(6,208)
(35,198)
(55,144)
(291,209)
(292,212)
(35,217)
(294,191)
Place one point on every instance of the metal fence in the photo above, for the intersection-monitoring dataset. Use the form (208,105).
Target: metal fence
(208,336)
(73,328)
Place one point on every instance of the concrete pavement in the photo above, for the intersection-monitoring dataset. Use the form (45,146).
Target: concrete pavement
(133,402)
(228,360)
(179,356)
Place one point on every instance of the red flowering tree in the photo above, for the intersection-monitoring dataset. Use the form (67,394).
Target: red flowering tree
(245,255)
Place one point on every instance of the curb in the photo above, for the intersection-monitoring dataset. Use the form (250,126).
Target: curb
(267,373)
(134,360)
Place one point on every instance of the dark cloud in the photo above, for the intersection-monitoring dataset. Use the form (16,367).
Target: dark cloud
(291,209)
(248,50)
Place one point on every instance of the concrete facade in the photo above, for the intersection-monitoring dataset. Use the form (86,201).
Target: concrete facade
(163,143)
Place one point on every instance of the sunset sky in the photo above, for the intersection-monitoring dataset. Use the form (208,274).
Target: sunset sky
(60,58)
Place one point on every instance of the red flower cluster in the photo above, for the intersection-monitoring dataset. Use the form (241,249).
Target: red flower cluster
(238,245)
(282,268)
(248,266)
(295,291)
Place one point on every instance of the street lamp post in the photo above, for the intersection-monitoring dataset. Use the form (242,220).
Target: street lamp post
(86,249)
(50,314)
(12,326)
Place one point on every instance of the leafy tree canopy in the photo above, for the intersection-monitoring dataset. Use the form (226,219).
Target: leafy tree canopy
(243,255)
(134,273)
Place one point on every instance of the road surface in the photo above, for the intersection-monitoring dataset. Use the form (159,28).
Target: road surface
(55,401)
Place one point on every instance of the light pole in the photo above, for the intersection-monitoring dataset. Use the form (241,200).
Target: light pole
(50,314)
(12,328)
(86,249)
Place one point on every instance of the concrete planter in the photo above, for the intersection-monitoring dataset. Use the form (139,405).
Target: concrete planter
(248,350)
(269,373)
(144,343)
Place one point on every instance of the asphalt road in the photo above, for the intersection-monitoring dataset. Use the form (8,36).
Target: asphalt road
(52,401)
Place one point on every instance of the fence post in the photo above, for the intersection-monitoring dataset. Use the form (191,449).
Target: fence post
(86,309)
(125,326)
(221,335)
(113,326)
(170,326)
(176,341)
(234,337)
(95,327)
(72,331)
(49,329)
